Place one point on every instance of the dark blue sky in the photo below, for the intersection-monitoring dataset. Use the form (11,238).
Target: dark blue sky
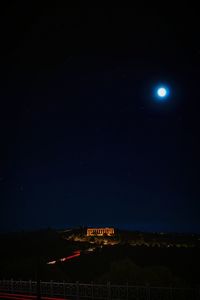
(83,142)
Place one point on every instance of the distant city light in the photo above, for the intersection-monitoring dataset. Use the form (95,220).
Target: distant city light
(51,262)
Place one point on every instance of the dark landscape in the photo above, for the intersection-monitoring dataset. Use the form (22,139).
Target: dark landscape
(135,257)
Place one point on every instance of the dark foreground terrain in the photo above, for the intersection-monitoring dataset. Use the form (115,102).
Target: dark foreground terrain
(26,255)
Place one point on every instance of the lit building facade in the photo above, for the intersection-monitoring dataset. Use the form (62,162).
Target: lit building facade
(100,231)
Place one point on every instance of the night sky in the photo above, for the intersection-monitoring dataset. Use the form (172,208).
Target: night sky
(83,139)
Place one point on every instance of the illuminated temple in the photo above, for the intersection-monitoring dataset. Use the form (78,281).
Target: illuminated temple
(100,231)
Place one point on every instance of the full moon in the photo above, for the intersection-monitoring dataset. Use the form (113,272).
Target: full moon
(162,92)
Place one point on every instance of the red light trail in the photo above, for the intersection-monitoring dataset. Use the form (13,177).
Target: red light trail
(75,254)
(24,297)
